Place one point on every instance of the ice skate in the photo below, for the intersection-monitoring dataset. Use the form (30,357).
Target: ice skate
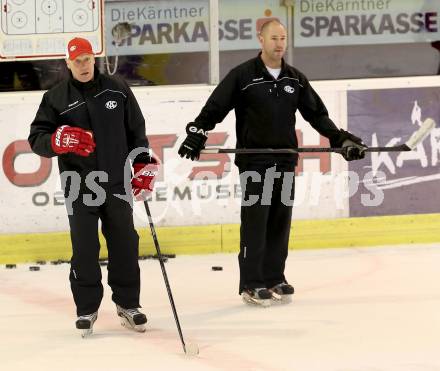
(85,324)
(132,318)
(258,296)
(282,293)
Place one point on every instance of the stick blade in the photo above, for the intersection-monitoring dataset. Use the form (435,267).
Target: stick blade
(191,349)
(421,134)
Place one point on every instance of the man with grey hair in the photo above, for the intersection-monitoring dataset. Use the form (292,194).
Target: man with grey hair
(265,93)
(91,122)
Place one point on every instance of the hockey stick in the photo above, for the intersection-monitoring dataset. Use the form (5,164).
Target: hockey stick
(416,138)
(190,348)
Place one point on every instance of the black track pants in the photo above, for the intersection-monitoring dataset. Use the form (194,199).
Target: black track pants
(265,225)
(123,250)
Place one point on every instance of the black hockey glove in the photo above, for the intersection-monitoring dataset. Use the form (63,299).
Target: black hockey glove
(194,142)
(352,146)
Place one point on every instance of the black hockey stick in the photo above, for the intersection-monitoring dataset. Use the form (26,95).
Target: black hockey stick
(190,348)
(416,138)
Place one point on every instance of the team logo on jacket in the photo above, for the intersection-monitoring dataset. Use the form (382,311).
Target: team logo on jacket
(111,104)
(289,89)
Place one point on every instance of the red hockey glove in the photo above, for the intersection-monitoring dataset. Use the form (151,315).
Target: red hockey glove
(144,177)
(73,139)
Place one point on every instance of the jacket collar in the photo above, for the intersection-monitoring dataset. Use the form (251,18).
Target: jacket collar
(261,66)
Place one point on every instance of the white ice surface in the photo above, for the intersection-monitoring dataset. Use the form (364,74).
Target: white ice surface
(368,309)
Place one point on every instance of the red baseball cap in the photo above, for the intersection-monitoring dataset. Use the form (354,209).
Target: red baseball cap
(78,46)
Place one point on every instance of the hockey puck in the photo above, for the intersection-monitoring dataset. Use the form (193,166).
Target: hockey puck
(170,256)
(103,263)
(11,266)
(41,262)
(34,268)
(216,268)
(56,262)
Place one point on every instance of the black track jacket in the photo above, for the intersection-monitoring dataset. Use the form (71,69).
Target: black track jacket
(265,110)
(108,108)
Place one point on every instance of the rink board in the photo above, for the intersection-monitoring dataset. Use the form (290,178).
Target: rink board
(344,232)
(198,215)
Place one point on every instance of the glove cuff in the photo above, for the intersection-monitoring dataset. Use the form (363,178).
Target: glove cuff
(193,128)
(343,136)
(55,140)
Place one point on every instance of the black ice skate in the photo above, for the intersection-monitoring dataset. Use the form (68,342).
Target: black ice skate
(85,324)
(258,296)
(132,318)
(282,293)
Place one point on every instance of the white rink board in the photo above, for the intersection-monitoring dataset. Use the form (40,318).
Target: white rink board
(167,110)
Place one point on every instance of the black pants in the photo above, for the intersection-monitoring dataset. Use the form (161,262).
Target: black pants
(123,250)
(265,225)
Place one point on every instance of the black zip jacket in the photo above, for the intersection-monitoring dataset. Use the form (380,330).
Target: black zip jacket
(265,110)
(108,108)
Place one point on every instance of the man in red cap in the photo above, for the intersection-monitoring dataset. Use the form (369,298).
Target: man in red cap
(81,60)
(92,122)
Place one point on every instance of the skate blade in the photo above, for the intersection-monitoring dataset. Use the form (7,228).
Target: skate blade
(126,323)
(255,302)
(281,299)
(85,333)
